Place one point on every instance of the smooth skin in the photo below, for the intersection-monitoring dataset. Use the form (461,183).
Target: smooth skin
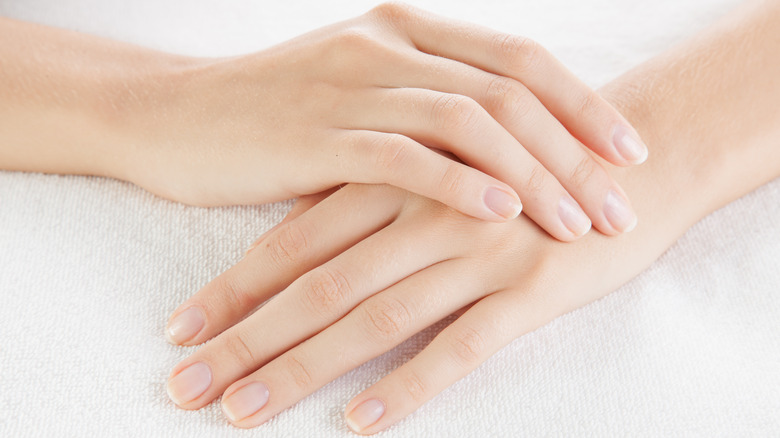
(359,272)
(368,100)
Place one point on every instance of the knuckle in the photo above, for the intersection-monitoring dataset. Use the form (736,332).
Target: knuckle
(386,318)
(536,181)
(326,289)
(354,38)
(508,98)
(232,292)
(288,244)
(239,349)
(392,151)
(454,111)
(345,54)
(520,54)
(499,94)
(467,347)
(583,172)
(393,12)
(298,372)
(414,386)
(453,179)
(588,105)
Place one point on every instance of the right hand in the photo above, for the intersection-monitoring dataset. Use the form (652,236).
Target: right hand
(366,99)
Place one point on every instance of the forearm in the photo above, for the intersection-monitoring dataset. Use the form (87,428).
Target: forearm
(709,112)
(64,95)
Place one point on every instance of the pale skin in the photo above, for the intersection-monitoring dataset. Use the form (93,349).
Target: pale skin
(366,100)
(359,272)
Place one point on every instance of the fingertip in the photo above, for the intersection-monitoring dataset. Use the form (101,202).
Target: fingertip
(187,383)
(185,325)
(618,213)
(571,236)
(628,144)
(501,205)
(244,403)
(366,414)
(573,218)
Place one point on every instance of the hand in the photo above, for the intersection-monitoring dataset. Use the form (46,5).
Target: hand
(363,100)
(364,270)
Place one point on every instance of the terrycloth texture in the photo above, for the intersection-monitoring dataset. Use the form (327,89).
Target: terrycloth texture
(90,269)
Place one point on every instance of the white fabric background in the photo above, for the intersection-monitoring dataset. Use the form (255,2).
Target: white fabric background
(90,268)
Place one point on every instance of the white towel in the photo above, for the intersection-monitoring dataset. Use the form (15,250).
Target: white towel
(90,268)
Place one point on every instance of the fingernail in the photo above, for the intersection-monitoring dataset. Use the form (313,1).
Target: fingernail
(572,216)
(502,203)
(190,383)
(185,325)
(246,401)
(629,146)
(365,414)
(618,213)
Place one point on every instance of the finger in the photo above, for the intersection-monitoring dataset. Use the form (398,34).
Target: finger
(548,166)
(583,111)
(398,160)
(288,252)
(375,326)
(308,306)
(302,205)
(461,123)
(455,352)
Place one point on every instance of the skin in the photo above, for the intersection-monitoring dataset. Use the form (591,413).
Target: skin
(367,100)
(356,272)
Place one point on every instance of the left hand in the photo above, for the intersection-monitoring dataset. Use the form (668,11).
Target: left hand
(365,101)
(362,271)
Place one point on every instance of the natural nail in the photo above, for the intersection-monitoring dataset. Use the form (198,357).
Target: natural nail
(246,401)
(185,325)
(190,383)
(572,216)
(629,146)
(618,212)
(365,414)
(502,203)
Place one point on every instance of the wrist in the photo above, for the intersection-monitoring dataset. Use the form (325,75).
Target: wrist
(133,110)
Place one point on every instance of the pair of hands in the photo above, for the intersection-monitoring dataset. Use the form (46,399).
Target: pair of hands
(355,272)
